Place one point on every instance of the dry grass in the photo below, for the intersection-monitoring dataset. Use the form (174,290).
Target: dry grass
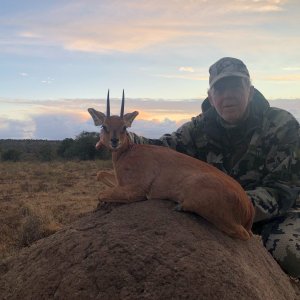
(37,199)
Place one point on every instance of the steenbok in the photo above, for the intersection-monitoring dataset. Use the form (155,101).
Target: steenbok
(155,172)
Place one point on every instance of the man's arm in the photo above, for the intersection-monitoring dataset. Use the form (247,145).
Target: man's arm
(138,139)
(180,140)
(280,187)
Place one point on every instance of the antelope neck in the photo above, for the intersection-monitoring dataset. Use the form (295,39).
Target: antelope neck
(126,146)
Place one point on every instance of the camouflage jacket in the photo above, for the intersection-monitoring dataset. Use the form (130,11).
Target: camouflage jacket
(261,153)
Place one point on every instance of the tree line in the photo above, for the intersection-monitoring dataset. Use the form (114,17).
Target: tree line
(80,148)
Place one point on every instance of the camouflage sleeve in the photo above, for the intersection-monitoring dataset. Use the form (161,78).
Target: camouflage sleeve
(138,139)
(279,189)
(181,140)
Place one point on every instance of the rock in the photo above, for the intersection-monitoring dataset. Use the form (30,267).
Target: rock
(143,250)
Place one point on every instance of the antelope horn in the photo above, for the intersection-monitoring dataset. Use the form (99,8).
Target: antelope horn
(107,105)
(122,105)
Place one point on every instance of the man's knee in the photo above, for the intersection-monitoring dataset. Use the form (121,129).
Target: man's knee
(286,253)
(281,237)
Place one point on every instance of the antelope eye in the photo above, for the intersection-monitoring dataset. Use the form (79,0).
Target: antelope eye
(104,128)
(124,128)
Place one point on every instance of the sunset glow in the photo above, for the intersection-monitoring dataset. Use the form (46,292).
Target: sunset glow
(57,57)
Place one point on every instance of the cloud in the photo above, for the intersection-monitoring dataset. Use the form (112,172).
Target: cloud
(261,6)
(59,119)
(153,129)
(292,77)
(16,129)
(59,126)
(66,118)
(186,69)
(290,105)
(47,81)
(291,68)
(131,26)
(28,34)
(197,77)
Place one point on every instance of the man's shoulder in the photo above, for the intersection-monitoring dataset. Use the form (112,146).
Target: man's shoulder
(198,120)
(195,123)
(279,116)
(193,131)
(275,119)
(280,123)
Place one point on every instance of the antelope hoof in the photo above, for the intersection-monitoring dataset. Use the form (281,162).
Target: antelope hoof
(101,204)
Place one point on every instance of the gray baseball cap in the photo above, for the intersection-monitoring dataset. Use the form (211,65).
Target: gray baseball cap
(226,67)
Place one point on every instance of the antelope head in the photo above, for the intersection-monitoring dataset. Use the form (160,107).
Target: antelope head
(113,134)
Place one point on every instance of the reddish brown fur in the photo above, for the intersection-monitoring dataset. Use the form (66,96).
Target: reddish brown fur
(106,178)
(154,172)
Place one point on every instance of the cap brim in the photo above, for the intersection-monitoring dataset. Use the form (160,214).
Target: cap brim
(231,74)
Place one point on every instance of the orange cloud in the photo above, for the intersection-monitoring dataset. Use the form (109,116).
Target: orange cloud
(292,77)
(29,34)
(152,115)
(161,115)
(187,69)
(118,37)
(140,24)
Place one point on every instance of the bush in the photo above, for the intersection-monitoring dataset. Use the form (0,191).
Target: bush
(45,153)
(31,231)
(11,155)
(64,148)
(83,147)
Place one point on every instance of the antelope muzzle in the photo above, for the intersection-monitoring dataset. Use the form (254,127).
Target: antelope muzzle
(114,142)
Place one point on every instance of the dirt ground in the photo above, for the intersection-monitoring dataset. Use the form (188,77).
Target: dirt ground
(143,250)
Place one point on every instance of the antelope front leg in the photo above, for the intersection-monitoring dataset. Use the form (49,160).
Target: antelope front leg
(107,178)
(123,194)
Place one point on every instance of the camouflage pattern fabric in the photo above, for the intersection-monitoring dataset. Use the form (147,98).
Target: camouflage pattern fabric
(281,236)
(262,154)
(227,66)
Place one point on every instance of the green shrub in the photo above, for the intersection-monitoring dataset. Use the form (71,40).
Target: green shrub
(11,155)
(83,147)
(45,153)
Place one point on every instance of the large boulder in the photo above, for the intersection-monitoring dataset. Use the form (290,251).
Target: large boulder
(143,250)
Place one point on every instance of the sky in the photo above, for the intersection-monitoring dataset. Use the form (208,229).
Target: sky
(60,57)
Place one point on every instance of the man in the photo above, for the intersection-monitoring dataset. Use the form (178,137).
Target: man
(239,133)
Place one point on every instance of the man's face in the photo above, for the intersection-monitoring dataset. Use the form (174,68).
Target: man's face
(230,97)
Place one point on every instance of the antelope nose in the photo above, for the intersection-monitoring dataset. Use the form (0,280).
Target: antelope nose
(114,142)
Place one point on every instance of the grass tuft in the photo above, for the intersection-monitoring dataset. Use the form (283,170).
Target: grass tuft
(37,199)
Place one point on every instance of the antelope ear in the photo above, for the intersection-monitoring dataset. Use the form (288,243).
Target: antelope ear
(97,116)
(128,118)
